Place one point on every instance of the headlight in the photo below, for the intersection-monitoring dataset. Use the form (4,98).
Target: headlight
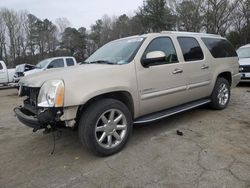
(51,94)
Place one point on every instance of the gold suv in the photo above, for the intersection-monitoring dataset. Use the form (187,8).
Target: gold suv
(134,80)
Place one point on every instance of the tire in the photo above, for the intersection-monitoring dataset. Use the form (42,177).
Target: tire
(221,94)
(99,132)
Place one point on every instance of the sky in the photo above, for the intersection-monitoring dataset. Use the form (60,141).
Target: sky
(80,13)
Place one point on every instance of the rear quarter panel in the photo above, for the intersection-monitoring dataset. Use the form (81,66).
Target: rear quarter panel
(220,65)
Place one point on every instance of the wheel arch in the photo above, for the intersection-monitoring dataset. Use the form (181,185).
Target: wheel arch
(227,75)
(122,96)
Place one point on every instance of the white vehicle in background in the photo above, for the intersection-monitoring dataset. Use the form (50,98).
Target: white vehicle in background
(244,60)
(6,75)
(50,63)
(20,69)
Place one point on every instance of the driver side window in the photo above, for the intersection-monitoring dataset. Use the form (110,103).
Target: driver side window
(165,45)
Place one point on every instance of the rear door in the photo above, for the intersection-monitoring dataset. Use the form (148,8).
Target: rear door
(198,70)
(70,62)
(3,73)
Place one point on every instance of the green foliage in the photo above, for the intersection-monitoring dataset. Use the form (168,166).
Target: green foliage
(238,38)
(74,41)
(190,20)
(156,16)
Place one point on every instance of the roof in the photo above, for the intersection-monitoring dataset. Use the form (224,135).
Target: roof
(52,58)
(173,33)
(189,33)
(245,46)
(183,33)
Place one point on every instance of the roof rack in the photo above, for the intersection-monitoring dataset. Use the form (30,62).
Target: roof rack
(189,33)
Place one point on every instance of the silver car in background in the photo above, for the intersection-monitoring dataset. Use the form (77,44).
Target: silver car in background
(244,61)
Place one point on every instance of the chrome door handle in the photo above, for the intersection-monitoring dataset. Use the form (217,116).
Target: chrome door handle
(204,67)
(177,71)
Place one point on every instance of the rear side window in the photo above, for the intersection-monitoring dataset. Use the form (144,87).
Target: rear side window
(190,48)
(219,48)
(69,61)
(1,66)
(56,63)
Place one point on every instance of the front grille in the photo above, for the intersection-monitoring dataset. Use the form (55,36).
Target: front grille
(32,95)
(244,68)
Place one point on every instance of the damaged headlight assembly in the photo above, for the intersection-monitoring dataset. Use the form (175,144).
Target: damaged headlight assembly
(51,94)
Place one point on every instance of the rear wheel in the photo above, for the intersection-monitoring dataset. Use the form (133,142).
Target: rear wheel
(221,94)
(105,126)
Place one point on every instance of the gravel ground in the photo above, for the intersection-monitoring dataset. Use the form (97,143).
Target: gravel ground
(213,152)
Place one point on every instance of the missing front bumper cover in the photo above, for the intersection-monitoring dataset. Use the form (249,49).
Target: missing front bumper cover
(27,119)
(41,120)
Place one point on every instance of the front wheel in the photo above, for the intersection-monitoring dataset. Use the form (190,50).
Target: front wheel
(105,126)
(221,94)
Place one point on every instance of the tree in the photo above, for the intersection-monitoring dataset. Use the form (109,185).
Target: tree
(11,21)
(74,41)
(31,30)
(190,20)
(218,15)
(62,24)
(45,36)
(155,16)
(96,32)
(3,53)
(121,27)
(21,35)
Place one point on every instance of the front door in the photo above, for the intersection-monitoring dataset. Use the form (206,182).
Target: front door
(162,84)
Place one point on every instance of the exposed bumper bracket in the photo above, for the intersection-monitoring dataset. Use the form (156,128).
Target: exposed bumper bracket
(28,120)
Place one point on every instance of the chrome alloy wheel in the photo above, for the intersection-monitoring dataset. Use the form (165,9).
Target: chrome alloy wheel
(110,128)
(223,94)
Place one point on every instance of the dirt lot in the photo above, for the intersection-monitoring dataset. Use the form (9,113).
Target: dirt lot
(213,152)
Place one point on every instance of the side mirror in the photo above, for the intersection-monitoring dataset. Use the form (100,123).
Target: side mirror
(153,57)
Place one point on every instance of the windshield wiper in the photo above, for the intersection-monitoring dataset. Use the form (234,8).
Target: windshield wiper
(103,62)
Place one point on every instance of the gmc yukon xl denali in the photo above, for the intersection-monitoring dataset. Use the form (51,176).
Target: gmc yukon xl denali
(134,80)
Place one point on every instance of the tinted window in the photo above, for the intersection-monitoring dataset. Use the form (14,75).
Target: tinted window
(190,48)
(165,45)
(219,47)
(70,62)
(1,66)
(56,63)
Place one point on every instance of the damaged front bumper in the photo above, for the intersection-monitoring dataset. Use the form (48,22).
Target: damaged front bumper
(39,120)
(30,121)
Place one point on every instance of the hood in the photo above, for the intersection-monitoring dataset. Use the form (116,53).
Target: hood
(244,61)
(24,67)
(20,68)
(79,73)
(33,71)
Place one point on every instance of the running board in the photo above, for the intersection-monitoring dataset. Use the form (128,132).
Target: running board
(171,111)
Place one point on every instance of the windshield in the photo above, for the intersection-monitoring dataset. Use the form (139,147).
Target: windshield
(116,52)
(244,52)
(42,64)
